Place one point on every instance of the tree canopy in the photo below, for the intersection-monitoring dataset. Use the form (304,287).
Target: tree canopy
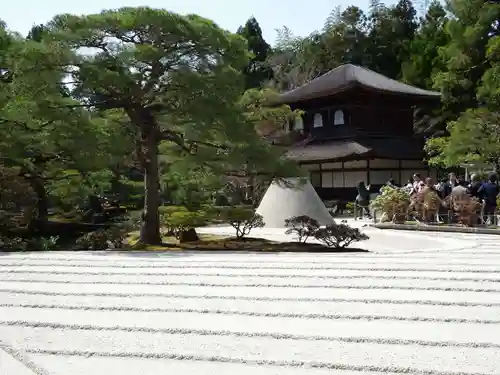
(83,92)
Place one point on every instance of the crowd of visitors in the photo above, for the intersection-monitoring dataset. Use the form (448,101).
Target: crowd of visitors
(434,200)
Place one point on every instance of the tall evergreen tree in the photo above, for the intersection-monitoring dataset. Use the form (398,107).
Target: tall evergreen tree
(391,32)
(346,41)
(36,33)
(471,28)
(257,71)
(470,86)
(424,60)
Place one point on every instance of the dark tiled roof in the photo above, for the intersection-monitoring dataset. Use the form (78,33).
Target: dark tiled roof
(381,148)
(345,76)
(331,150)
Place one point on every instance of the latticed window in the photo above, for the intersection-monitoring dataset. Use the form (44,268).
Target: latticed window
(298,124)
(318,120)
(338,117)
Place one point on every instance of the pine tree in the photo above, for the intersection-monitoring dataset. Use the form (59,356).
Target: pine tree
(257,72)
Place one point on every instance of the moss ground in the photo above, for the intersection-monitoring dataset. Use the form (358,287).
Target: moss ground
(210,242)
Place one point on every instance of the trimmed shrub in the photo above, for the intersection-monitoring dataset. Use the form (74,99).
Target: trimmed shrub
(179,222)
(103,239)
(393,203)
(13,244)
(339,235)
(302,227)
(466,209)
(31,244)
(242,218)
(43,243)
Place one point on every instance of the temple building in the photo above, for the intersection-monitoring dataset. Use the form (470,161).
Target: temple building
(357,125)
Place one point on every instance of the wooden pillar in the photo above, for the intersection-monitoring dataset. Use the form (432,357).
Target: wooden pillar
(400,167)
(368,171)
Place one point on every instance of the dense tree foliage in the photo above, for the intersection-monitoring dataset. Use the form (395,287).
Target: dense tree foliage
(88,100)
(257,71)
(469,83)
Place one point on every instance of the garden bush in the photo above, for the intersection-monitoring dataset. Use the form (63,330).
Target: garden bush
(178,221)
(466,209)
(13,244)
(392,203)
(103,239)
(43,243)
(242,218)
(302,227)
(339,235)
(28,244)
(425,204)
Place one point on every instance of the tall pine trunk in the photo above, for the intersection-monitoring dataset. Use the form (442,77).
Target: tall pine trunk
(39,221)
(42,205)
(150,227)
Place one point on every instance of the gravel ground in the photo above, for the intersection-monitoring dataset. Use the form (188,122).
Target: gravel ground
(430,306)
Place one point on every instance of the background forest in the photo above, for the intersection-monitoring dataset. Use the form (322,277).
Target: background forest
(148,108)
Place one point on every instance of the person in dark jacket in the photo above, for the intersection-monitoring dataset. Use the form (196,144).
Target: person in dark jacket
(489,192)
(440,187)
(363,198)
(450,184)
(474,186)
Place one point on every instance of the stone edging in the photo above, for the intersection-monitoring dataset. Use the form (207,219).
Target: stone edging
(435,228)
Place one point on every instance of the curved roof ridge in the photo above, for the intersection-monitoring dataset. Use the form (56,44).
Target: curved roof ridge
(346,75)
(395,82)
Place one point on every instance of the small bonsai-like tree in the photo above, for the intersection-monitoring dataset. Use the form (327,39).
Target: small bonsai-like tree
(302,227)
(339,235)
(181,222)
(241,218)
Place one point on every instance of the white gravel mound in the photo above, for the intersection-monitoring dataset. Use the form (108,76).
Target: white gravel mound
(414,312)
(291,197)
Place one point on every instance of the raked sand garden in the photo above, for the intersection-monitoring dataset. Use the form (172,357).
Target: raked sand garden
(418,303)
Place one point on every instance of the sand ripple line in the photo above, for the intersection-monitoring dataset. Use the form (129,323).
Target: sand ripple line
(109,273)
(269,335)
(112,257)
(296,364)
(216,263)
(291,276)
(255,298)
(259,285)
(23,359)
(263,267)
(252,313)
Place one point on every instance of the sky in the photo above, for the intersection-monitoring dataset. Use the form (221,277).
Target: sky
(302,17)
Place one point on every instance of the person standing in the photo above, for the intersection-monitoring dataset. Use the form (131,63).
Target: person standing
(474,186)
(440,188)
(418,184)
(450,184)
(489,192)
(460,188)
(363,199)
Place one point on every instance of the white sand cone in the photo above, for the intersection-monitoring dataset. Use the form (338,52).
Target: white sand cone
(291,197)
